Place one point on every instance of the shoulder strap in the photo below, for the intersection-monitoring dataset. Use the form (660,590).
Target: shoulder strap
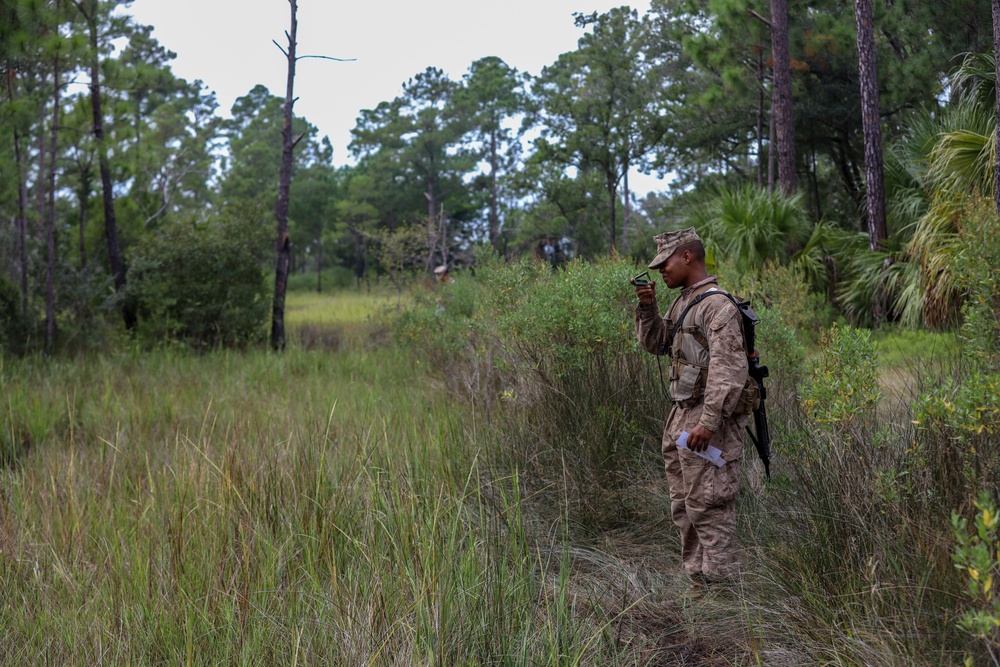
(668,336)
(694,302)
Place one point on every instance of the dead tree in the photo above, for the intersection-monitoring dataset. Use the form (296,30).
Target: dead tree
(283,244)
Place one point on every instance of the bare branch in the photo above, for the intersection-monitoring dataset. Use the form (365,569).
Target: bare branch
(759,18)
(339,60)
(298,139)
(280,48)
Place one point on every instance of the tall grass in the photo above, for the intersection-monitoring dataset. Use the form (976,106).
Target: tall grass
(251,508)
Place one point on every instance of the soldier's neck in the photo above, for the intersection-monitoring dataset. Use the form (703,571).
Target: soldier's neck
(695,276)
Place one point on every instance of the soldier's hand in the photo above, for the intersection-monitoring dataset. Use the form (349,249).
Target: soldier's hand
(646,293)
(698,438)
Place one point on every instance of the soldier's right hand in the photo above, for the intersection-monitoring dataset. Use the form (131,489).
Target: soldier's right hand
(646,293)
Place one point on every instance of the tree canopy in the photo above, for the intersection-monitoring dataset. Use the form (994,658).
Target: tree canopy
(527,162)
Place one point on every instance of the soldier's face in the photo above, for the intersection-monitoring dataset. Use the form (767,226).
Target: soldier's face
(674,270)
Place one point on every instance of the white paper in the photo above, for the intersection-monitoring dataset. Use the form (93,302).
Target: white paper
(710,453)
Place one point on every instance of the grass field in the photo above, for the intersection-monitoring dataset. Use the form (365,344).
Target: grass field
(339,505)
(354,318)
(252,508)
(344,307)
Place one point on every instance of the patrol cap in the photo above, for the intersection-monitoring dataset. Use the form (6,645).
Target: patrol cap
(668,242)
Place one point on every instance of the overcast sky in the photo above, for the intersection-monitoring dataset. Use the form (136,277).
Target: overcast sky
(227,44)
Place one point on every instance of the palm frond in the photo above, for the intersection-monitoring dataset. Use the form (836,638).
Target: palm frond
(975,78)
(751,226)
(817,258)
(962,161)
(906,196)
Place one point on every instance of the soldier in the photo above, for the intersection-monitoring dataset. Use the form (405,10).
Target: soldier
(441,273)
(712,396)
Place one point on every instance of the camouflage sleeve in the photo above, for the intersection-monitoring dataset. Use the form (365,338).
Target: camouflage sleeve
(727,368)
(649,327)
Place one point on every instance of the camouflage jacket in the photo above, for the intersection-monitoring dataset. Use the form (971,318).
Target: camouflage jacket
(719,357)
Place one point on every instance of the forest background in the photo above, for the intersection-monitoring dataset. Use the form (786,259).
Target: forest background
(838,160)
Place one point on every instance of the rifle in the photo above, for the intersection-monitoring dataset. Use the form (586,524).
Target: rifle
(762,442)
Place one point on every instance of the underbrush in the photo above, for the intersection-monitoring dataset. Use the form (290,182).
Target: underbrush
(850,547)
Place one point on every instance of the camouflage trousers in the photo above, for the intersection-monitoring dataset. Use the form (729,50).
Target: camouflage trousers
(703,496)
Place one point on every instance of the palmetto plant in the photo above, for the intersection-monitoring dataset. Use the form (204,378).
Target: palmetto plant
(958,171)
(749,226)
(932,175)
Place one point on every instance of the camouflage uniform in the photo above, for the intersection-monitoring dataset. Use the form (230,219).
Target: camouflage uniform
(709,385)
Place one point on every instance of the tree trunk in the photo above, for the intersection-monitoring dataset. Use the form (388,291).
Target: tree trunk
(612,200)
(996,51)
(760,118)
(108,197)
(282,243)
(360,252)
(443,228)
(626,210)
(494,208)
(22,213)
(771,153)
(319,262)
(432,216)
(84,195)
(782,96)
(22,225)
(50,214)
(871,124)
(40,183)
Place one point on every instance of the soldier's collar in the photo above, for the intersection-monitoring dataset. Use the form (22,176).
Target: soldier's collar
(701,283)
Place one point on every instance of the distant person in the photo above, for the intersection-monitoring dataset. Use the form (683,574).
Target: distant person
(559,257)
(441,273)
(712,397)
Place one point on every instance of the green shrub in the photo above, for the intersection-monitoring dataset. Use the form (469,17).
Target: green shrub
(553,322)
(785,290)
(781,351)
(959,433)
(552,358)
(965,410)
(203,285)
(842,388)
(581,406)
(959,419)
(88,310)
(977,553)
(977,268)
(438,326)
(439,334)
